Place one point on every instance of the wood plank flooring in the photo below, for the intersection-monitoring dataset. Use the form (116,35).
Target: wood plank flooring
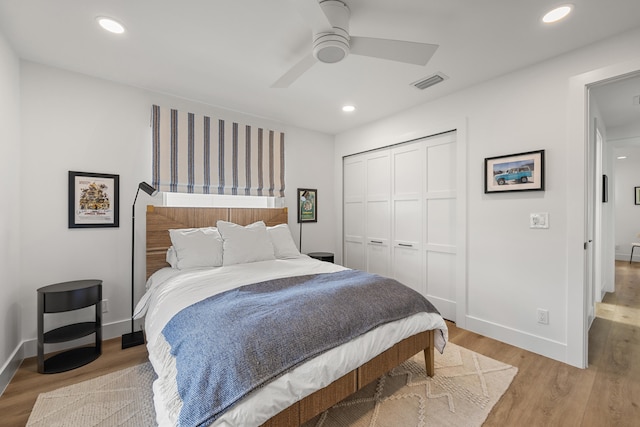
(544,393)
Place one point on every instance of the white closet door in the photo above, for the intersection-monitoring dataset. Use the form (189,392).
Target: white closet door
(406,217)
(440,223)
(400,216)
(354,235)
(377,212)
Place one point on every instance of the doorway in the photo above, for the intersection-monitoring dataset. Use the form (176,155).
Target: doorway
(612,117)
(581,139)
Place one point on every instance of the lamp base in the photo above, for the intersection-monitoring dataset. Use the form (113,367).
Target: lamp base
(133,339)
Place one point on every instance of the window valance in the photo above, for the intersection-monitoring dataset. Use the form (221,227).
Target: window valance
(199,154)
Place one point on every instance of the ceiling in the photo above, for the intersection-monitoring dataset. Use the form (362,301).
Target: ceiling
(619,101)
(229,53)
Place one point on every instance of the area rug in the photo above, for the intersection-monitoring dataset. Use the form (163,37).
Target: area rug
(465,387)
(122,398)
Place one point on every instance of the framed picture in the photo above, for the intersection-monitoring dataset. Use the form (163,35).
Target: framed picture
(307,205)
(637,193)
(93,200)
(514,172)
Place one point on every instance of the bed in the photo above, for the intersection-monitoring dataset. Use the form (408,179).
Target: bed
(306,386)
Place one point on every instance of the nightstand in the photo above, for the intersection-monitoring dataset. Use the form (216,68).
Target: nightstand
(322,256)
(68,296)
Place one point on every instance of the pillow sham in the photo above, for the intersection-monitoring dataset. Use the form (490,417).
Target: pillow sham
(282,241)
(172,257)
(197,247)
(245,244)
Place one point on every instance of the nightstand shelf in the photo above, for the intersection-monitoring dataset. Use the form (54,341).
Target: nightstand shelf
(63,297)
(70,332)
(70,359)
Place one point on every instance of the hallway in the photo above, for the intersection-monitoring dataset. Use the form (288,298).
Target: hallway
(614,352)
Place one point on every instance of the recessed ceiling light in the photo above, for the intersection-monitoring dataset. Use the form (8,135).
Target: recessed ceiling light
(622,157)
(110,25)
(348,108)
(556,14)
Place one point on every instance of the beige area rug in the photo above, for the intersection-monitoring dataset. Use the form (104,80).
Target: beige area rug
(122,398)
(464,389)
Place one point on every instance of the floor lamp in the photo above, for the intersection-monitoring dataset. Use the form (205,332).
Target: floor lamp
(303,197)
(135,338)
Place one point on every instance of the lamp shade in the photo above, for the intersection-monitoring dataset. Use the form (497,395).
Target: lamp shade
(147,189)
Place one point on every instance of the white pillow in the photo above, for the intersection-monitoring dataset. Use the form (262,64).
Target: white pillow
(197,247)
(172,257)
(245,244)
(283,245)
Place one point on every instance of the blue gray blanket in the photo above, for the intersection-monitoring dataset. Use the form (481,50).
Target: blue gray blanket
(229,344)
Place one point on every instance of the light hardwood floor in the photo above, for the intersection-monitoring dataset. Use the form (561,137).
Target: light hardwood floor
(544,393)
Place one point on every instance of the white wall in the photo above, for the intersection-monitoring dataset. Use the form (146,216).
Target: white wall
(627,213)
(310,161)
(512,270)
(75,122)
(10,307)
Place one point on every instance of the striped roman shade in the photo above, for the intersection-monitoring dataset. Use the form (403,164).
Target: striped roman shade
(199,154)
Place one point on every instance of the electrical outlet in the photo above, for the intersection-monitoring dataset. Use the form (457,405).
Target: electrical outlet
(543,316)
(105,305)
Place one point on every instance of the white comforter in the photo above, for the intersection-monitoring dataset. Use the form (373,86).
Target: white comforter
(170,290)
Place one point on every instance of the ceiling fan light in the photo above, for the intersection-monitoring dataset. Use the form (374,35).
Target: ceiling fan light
(556,14)
(110,25)
(330,54)
(331,47)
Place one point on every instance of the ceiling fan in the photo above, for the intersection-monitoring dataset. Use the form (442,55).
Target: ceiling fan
(329,20)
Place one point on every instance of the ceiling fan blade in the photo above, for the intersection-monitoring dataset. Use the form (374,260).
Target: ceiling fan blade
(294,72)
(313,14)
(394,50)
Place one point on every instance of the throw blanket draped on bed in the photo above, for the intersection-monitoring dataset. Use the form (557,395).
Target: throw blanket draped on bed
(231,343)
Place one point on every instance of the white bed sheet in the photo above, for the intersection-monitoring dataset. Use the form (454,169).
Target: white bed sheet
(169,291)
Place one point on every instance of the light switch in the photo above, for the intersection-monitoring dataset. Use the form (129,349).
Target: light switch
(539,220)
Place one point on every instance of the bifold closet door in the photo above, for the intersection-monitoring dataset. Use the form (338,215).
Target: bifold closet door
(439,239)
(377,212)
(407,216)
(353,213)
(400,216)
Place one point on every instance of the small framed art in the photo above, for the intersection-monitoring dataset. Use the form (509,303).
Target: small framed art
(514,172)
(307,205)
(636,190)
(93,200)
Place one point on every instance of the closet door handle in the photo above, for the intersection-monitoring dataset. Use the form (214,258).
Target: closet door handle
(377,241)
(406,245)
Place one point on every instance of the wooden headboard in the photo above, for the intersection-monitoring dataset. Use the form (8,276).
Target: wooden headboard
(160,219)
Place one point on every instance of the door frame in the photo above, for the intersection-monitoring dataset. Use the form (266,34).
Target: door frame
(579,137)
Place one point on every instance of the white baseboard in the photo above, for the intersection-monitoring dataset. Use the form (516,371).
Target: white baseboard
(29,348)
(11,367)
(533,343)
(625,257)
(446,307)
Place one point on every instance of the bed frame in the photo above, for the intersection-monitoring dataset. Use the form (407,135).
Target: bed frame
(161,219)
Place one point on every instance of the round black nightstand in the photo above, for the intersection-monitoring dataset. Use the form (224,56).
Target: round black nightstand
(322,256)
(68,296)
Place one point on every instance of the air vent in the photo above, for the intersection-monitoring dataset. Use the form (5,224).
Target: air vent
(429,81)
